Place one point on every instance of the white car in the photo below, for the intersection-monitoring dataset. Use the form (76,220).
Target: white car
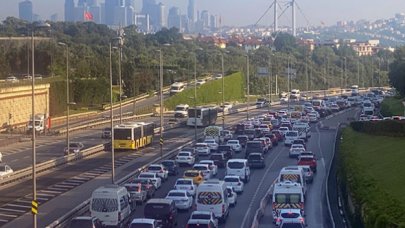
(185,184)
(159,170)
(5,171)
(283,130)
(313,118)
(157,181)
(212,166)
(185,158)
(205,170)
(296,150)
(12,79)
(182,199)
(226,135)
(260,104)
(205,215)
(232,196)
(202,149)
(227,107)
(235,145)
(200,82)
(212,144)
(289,215)
(235,182)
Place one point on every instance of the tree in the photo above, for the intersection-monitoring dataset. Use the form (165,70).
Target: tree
(285,42)
(397,71)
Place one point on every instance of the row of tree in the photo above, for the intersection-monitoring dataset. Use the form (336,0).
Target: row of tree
(89,60)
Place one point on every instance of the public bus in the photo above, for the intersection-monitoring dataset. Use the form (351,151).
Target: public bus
(133,135)
(205,116)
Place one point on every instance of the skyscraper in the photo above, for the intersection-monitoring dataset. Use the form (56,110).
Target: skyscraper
(69,10)
(191,11)
(174,18)
(162,15)
(25,10)
(109,7)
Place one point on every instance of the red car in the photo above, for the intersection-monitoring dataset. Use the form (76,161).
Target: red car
(308,160)
(274,139)
(278,134)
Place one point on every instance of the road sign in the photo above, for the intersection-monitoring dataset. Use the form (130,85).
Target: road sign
(34,207)
(161,141)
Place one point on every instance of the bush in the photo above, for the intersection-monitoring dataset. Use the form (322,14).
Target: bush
(392,128)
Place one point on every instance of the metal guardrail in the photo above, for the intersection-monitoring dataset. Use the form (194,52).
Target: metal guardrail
(41,167)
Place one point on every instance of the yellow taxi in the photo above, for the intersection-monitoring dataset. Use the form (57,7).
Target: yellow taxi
(195,175)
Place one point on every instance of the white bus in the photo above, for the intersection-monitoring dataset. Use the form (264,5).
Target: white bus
(202,116)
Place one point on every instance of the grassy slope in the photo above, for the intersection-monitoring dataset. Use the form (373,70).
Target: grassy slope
(375,163)
(392,106)
(208,93)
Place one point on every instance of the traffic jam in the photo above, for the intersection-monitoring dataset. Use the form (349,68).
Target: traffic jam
(212,174)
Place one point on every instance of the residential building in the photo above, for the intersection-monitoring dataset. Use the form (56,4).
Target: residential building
(25,10)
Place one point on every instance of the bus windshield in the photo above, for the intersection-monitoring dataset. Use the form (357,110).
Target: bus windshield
(191,113)
(122,134)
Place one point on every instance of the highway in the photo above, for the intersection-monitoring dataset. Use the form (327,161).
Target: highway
(74,183)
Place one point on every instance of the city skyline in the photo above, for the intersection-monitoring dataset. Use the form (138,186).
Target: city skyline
(318,12)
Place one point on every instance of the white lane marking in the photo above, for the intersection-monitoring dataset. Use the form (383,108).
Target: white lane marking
(24,201)
(12,210)
(17,205)
(44,194)
(2,220)
(8,215)
(54,192)
(259,187)
(324,167)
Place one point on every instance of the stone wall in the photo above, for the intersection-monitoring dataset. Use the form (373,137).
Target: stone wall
(15,102)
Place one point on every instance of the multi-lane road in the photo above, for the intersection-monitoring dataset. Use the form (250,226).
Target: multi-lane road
(66,187)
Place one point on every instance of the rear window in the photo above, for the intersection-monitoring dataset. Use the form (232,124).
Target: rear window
(184,154)
(168,163)
(236,165)
(141,225)
(291,134)
(287,198)
(156,210)
(184,182)
(290,215)
(190,174)
(201,146)
(255,157)
(154,168)
(104,205)
(231,179)
(134,188)
(254,145)
(216,157)
(175,194)
(306,159)
(224,148)
(201,216)
(200,167)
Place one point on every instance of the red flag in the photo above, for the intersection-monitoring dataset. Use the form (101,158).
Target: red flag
(88,16)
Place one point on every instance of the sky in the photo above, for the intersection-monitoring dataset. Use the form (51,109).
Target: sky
(246,12)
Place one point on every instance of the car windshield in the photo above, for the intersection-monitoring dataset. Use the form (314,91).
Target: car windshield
(2,168)
(231,179)
(80,223)
(145,175)
(168,163)
(255,157)
(200,167)
(182,108)
(201,146)
(176,194)
(236,165)
(191,174)
(232,142)
(184,182)
(209,141)
(154,168)
(184,154)
(201,216)
(292,134)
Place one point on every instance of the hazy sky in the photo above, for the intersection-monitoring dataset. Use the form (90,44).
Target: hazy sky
(244,12)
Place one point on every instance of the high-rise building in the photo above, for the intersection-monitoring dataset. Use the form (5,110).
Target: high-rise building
(25,10)
(205,18)
(82,3)
(69,10)
(54,17)
(109,8)
(191,10)
(174,18)
(92,3)
(162,15)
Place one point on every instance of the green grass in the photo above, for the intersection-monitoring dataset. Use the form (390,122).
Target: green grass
(374,168)
(392,106)
(208,93)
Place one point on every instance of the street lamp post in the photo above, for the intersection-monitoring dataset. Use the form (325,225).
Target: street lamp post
(161,100)
(195,99)
(112,120)
(247,87)
(34,153)
(223,91)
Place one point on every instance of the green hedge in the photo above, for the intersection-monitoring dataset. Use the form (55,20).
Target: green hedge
(208,93)
(373,179)
(392,106)
(393,128)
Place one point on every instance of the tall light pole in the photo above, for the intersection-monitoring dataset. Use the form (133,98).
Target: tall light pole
(195,99)
(120,44)
(34,153)
(223,91)
(161,100)
(112,120)
(68,103)
(247,87)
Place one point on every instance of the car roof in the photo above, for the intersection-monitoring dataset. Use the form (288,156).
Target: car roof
(83,218)
(143,220)
(198,221)
(210,161)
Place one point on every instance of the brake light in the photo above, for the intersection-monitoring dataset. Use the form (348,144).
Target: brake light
(278,220)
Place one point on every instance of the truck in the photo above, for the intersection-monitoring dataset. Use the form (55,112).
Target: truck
(287,195)
(40,123)
(303,130)
(181,111)
(213,132)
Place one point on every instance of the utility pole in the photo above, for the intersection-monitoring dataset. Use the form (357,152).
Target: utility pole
(293,17)
(269,87)
(112,120)
(223,90)
(161,101)
(288,81)
(247,87)
(275,16)
(358,73)
(195,99)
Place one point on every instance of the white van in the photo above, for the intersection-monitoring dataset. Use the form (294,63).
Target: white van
(290,136)
(212,196)
(177,87)
(294,174)
(238,167)
(111,204)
